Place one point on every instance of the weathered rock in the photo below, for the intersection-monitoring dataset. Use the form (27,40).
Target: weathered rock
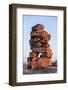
(40,63)
(34,64)
(33,55)
(45,45)
(34,40)
(44,62)
(39,50)
(46,36)
(39,44)
(35,34)
(38,27)
(49,52)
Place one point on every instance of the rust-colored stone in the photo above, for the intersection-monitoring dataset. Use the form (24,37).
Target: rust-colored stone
(34,64)
(33,55)
(39,44)
(44,62)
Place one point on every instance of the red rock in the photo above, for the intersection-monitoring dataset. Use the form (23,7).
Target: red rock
(49,52)
(40,27)
(34,64)
(44,62)
(46,36)
(39,44)
(33,55)
(35,34)
(39,50)
(34,40)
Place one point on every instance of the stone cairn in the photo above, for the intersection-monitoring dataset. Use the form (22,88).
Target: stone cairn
(41,53)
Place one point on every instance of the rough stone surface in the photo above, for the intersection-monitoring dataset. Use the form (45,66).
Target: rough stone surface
(39,39)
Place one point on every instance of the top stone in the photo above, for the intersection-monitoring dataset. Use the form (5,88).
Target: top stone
(38,27)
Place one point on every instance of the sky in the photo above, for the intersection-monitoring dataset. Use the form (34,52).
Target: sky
(50,24)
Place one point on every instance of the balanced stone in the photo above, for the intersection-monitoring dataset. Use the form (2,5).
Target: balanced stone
(39,39)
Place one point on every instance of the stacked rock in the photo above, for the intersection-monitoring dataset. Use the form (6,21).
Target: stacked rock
(41,53)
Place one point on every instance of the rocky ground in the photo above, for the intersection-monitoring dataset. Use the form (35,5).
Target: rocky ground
(40,71)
